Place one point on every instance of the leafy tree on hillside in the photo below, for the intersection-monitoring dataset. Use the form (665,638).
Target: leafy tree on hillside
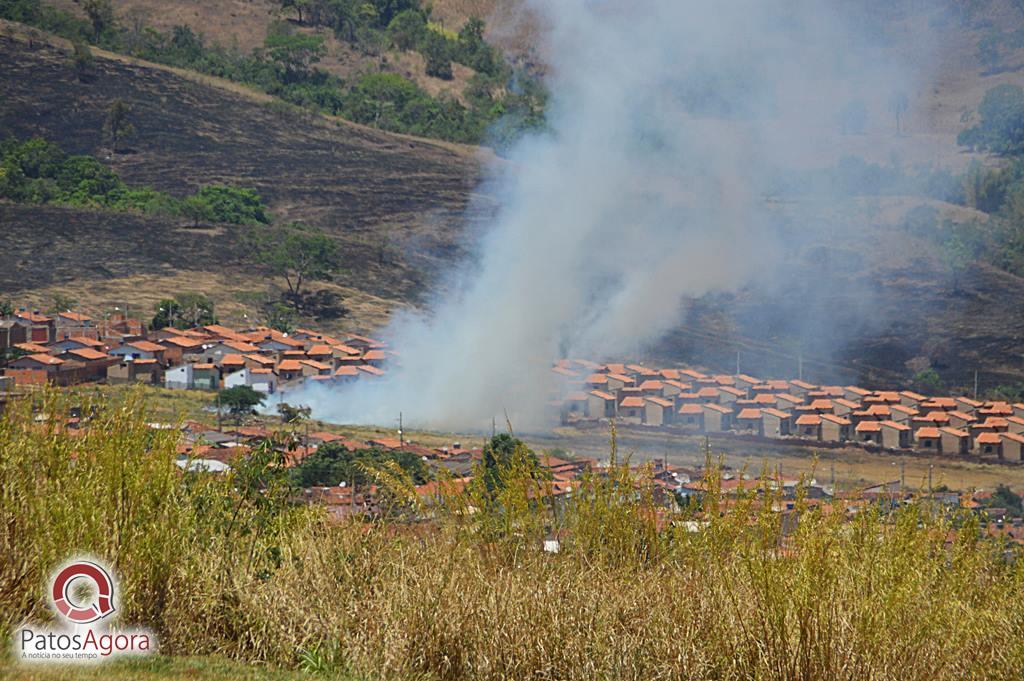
(929,382)
(407,30)
(438,56)
(82,60)
(101,17)
(300,254)
(1001,128)
(294,53)
(117,127)
(61,302)
(184,311)
(6,308)
(1004,497)
(280,317)
(241,401)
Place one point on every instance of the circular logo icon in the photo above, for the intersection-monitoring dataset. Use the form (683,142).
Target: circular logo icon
(102,602)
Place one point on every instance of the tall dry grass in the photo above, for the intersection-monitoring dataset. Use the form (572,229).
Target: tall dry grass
(227,566)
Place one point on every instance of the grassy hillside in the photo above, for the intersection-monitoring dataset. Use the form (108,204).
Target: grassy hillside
(375,193)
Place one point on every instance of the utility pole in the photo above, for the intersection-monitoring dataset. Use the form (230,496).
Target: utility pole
(401,434)
(494,427)
(800,364)
(930,467)
(220,428)
(737,362)
(975,384)
(903,475)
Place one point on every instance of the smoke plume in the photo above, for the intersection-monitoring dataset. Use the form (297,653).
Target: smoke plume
(668,122)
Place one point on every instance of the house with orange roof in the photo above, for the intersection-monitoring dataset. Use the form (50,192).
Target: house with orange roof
(960,419)
(575,405)
(289,370)
(938,404)
(75,343)
(835,428)
(728,394)
(800,388)
(869,431)
(631,409)
(11,333)
(775,422)
(967,405)
(902,414)
(371,371)
(364,342)
(311,367)
(895,435)
(230,363)
(749,421)
(786,401)
(842,406)
(988,444)
(855,393)
(601,404)
(955,441)
(928,439)
(618,381)
(1013,447)
(39,328)
(808,426)
(652,388)
(909,398)
(690,416)
(260,380)
(718,418)
(140,349)
(658,411)
(39,362)
(745,382)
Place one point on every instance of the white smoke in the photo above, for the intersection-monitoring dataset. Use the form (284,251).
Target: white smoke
(667,121)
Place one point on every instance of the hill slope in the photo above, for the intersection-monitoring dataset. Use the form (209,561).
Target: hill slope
(375,192)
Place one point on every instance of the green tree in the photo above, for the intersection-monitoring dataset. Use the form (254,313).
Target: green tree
(293,414)
(438,56)
(1004,497)
(929,382)
(407,29)
(62,303)
(82,60)
(234,205)
(280,317)
(1001,126)
(333,464)
(241,401)
(184,311)
(117,127)
(957,255)
(294,53)
(101,17)
(300,254)
(498,455)
(6,308)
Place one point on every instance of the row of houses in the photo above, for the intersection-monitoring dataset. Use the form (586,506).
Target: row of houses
(70,348)
(689,400)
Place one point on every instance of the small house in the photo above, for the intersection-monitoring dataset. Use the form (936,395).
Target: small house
(955,441)
(1013,447)
(928,439)
(691,416)
(808,427)
(895,435)
(988,444)
(749,421)
(658,411)
(717,418)
(601,404)
(775,423)
(834,428)
(868,431)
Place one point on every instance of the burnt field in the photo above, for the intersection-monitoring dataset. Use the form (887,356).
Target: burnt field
(396,204)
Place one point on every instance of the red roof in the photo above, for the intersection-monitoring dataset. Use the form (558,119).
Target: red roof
(928,431)
(633,402)
(749,414)
(808,420)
